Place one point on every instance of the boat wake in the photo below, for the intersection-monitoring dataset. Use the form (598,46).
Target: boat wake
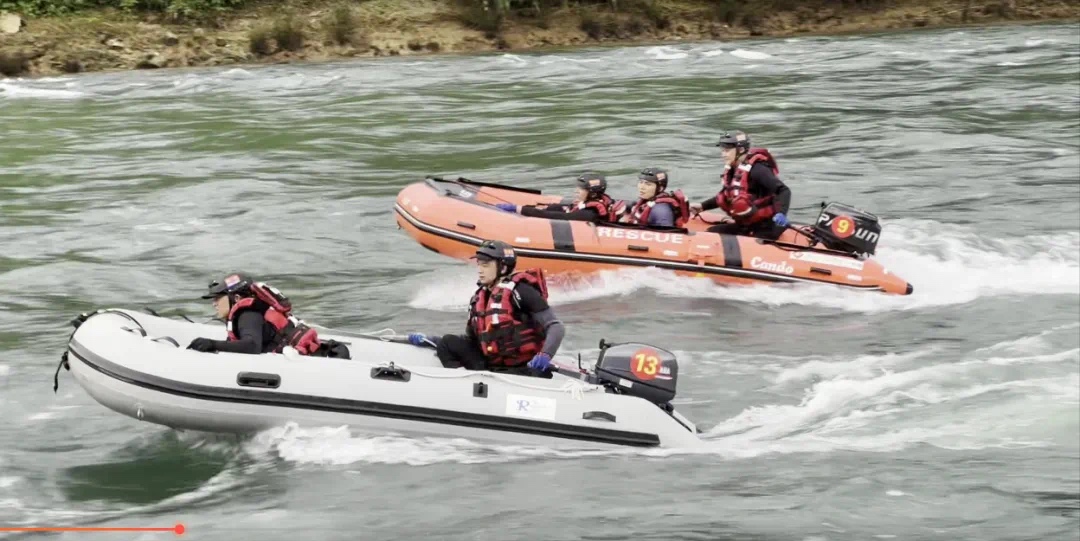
(955,267)
(1017,393)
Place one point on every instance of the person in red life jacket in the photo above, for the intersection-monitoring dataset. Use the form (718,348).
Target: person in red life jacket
(258,319)
(591,204)
(751,193)
(655,205)
(511,327)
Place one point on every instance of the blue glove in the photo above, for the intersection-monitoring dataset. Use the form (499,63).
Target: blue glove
(780,219)
(541,362)
(508,207)
(416,338)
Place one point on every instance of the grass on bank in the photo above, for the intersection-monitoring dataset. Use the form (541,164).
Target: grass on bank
(262,28)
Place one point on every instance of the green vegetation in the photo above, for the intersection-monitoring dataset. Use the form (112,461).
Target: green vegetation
(340,25)
(176,8)
(481,14)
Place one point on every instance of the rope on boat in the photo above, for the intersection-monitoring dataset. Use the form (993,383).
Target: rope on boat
(386,335)
(576,388)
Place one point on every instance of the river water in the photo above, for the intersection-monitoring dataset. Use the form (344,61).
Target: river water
(953,413)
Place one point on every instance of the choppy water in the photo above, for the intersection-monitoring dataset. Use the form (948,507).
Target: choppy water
(950,414)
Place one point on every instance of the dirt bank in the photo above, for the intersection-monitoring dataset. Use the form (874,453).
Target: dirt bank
(314,30)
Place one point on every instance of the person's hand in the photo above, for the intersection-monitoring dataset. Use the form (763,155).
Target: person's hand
(780,219)
(508,207)
(416,338)
(202,344)
(541,361)
(695,207)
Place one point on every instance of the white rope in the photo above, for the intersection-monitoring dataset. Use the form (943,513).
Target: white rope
(576,388)
(382,334)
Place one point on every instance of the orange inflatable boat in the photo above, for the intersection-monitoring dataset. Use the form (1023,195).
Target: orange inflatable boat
(452,217)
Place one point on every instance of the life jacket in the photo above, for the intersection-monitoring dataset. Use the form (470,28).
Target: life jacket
(277,311)
(735,197)
(639,213)
(507,338)
(602,205)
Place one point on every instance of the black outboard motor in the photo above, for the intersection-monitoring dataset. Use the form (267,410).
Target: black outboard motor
(638,370)
(847,229)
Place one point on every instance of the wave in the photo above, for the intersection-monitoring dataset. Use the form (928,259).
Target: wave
(947,264)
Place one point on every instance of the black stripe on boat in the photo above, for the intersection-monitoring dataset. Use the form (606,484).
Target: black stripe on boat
(732,252)
(562,235)
(360,407)
(634,261)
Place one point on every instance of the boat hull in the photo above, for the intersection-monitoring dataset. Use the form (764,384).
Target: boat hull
(123,361)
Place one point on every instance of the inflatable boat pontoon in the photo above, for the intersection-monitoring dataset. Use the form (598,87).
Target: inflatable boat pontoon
(453,217)
(136,364)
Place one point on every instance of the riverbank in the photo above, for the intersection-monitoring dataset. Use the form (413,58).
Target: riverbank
(319,30)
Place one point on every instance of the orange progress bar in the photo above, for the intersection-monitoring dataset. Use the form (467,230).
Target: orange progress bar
(178,529)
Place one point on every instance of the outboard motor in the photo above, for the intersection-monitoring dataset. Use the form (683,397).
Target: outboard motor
(847,229)
(638,370)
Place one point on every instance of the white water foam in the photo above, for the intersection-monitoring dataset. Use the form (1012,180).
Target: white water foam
(947,264)
(514,59)
(17,91)
(339,445)
(665,52)
(863,403)
(750,55)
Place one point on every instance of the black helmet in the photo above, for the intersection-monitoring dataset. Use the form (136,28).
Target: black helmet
(656,176)
(233,284)
(736,139)
(594,183)
(499,251)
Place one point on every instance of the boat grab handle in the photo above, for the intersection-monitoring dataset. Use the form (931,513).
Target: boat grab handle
(258,379)
(598,415)
(391,373)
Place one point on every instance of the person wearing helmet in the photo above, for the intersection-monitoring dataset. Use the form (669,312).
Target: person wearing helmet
(751,193)
(257,320)
(655,205)
(591,203)
(511,327)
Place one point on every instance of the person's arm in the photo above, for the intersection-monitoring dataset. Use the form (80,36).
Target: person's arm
(249,330)
(529,300)
(763,176)
(585,215)
(710,203)
(662,215)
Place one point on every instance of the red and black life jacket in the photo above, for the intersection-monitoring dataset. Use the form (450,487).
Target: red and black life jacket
(602,205)
(736,197)
(277,311)
(507,337)
(639,213)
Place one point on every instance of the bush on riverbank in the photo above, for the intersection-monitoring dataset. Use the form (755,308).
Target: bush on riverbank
(174,8)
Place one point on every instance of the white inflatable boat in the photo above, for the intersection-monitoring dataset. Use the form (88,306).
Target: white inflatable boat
(136,364)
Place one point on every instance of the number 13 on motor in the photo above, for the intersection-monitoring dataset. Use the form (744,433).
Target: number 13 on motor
(645,364)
